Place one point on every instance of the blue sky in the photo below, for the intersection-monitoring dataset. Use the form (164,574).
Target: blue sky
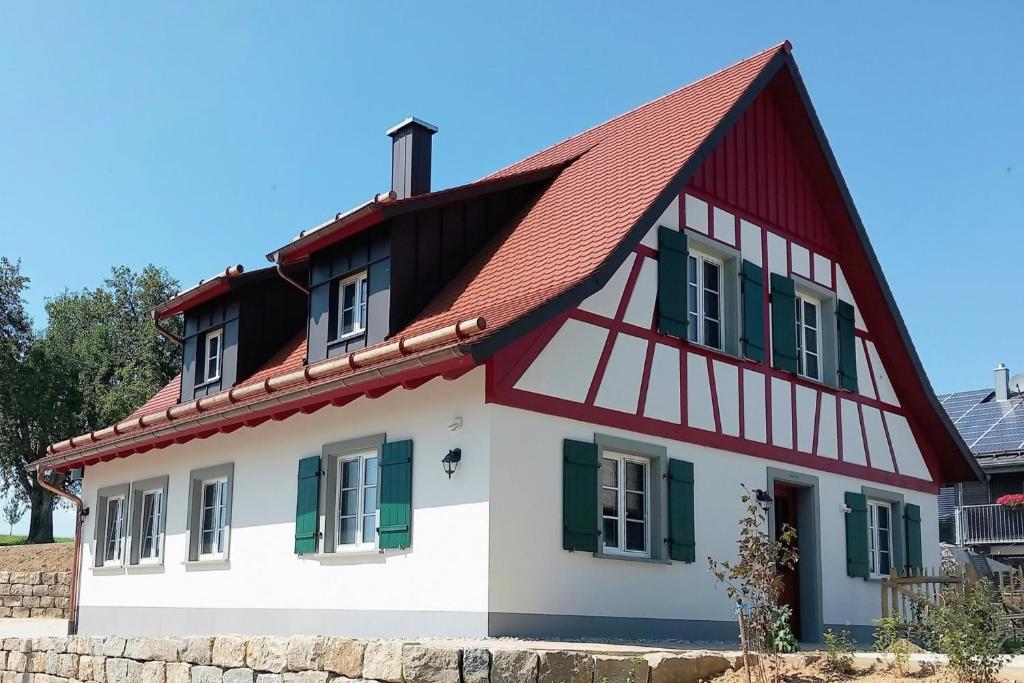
(194,135)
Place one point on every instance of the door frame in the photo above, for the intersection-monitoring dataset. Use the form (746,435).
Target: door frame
(808,543)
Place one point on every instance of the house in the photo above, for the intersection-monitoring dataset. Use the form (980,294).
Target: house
(991,422)
(527,405)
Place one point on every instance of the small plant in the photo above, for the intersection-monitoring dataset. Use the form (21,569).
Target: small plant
(1014,501)
(14,510)
(889,641)
(780,636)
(838,652)
(966,628)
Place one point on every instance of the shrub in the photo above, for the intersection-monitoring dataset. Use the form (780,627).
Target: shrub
(889,641)
(780,638)
(838,652)
(965,627)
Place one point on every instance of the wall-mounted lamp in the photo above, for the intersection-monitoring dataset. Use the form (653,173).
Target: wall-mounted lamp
(451,461)
(763,499)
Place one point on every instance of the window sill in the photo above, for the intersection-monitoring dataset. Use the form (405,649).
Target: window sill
(631,558)
(206,565)
(108,570)
(146,568)
(346,338)
(718,352)
(208,382)
(370,556)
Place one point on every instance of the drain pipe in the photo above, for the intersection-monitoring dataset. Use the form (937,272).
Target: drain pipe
(81,512)
(167,333)
(290,280)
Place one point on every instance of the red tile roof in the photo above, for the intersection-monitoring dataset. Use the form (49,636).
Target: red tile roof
(623,167)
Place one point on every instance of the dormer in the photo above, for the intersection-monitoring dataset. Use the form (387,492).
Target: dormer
(233,322)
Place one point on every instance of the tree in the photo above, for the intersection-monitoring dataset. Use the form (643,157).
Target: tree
(14,510)
(98,359)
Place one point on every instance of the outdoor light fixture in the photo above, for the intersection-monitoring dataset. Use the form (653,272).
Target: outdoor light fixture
(763,499)
(451,461)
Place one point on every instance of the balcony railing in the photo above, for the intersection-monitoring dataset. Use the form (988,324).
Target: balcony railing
(987,524)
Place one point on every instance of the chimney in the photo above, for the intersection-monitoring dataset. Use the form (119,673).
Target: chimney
(410,157)
(1002,382)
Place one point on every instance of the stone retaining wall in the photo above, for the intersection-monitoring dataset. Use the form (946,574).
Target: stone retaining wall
(35,594)
(314,659)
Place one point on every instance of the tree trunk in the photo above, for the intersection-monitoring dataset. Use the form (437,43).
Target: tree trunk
(40,527)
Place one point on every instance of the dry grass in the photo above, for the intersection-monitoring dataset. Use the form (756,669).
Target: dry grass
(51,557)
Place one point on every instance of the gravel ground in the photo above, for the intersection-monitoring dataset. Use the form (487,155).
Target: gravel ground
(51,557)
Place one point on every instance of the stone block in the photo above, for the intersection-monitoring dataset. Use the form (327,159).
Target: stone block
(5,589)
(21,612)
(207,674)
(687,667)
(5,612)
(85,667)
(229,652)
(269,678)
(615,669)
(265,653)
(197,650)
(40,589)
(305,677)
(99,669)
(154,671)
(36,662)
(565,667)
(514,666)
(344,656)
(48,578)
(158,649)
(305,653)
(116,670)
(476,665)
(5,577)
(30,578)
(17,660)
(178,672)
(113,647)
(21,589)
(382,661)
(239,676)
(431,664)
(63,665)
(30,601)
(64,578)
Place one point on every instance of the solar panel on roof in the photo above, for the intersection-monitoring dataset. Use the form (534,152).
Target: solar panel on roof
(1007,434)
(958,404)
(976,422)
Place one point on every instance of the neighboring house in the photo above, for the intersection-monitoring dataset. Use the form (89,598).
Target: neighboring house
(526,406)
(991,422)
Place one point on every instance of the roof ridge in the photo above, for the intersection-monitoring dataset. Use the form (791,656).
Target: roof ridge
(784,45)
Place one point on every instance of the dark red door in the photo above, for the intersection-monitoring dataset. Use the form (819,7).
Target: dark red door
(786,513)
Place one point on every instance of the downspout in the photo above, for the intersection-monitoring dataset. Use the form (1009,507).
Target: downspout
(167,333)
(290,280)
(81,512)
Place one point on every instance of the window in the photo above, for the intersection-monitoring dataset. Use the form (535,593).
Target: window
(113,535)
(212,355)
(808,334)
(879,538)
(151,526)
(704,300)
(352,297)
(357,502)
(214,515)
(625,504)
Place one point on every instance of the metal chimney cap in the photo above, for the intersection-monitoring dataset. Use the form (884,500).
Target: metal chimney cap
(411,120)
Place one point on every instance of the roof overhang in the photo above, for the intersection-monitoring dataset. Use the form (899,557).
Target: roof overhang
(230,278)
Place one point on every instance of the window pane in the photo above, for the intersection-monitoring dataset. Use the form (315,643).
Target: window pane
(349,502)
(884,564)
(712,333)
(691,270)
(347,530)
(693,327)
(812,366)
(209,494)
(369,499)
(711,305)
(370,472)
(711,276)
(810,314)
(350,474)
(610,472)
(611,533)
(811,340)
(609,502)
(635,506)
(883,517)
(369,528)
(348,296)
(635,536)
(635,476)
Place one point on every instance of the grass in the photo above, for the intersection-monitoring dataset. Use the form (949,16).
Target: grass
(20,540)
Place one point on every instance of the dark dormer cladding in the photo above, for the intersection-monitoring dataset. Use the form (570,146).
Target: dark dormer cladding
(228,338)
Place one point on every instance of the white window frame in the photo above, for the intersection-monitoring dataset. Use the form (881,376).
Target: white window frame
(802,327)
(217,334)
(158,519)
(360,544)
(621,459)
(224,502)
(874,549)
(119,535)
(360,305)
(695,333)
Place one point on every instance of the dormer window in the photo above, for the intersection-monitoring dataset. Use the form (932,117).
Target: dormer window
(212,355)
(352,297)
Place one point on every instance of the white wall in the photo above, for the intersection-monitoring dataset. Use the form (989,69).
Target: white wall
(450,517)
(532,574)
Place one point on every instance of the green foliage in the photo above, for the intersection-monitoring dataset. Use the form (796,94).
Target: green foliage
(96,361)
(890,641)
(14,510)
(838,652)
(966,628)
(780,636)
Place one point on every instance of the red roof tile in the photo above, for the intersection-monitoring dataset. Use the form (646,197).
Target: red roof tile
(623,167)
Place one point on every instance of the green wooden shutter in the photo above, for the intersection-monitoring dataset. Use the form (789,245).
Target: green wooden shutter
(580,468)
(681,541)
(307,506)
(395,495)
(672,257)
(912,523)
(857,535)
(847,340)
(783,323)
(752,292)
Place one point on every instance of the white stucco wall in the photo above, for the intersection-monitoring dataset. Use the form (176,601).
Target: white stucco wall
(445,571)
(531,573)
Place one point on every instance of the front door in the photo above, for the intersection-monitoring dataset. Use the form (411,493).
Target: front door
(785,507)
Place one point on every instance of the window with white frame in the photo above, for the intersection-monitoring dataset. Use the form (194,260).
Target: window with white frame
(356,526)
(625,504)
(880,529)
(808,336)
(113,533)
(213,515)
(353,293)
(213,352)
(704,300)
(151,526)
